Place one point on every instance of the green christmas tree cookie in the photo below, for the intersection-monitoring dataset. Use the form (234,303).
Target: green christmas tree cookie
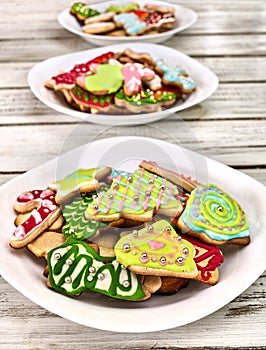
(77,226)
(137,196)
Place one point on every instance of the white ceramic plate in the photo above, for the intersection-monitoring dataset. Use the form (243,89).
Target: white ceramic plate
(205,80)
(185,18)
(242,266)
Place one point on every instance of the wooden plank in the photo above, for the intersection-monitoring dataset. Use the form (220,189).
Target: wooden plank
(202,45)
(230,101)
(232,320)
(245,17)
(225,140)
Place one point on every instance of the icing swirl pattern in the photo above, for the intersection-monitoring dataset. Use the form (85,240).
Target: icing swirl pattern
(214,212)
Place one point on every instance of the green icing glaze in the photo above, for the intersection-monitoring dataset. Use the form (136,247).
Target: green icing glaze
(157,247)
(72,182)
(77,226)
(146,97)
(214,212)
(108,78)
(122,8)
(135,194)
(84,10)
(90,99)
(75,267)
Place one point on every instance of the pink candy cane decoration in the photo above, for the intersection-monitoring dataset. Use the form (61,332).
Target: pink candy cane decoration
(45,211)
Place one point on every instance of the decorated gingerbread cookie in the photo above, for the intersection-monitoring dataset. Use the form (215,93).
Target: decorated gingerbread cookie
(131,23)
(207,258)
(146,101)
(133,75)
(85,98)
(214,217)
(160,8)
(135,197)
(75,267)
(76,225)
(182,181)
(155,19)
(106,80)
(82,11)
(56,226)
(142,57)
(123,8)
(81,180)
(175,76)
(45,212)
(67,80)
(157,250)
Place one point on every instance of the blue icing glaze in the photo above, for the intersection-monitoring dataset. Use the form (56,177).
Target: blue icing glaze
(131,22)
(116,173)
(176,75)
(165,68)
(204,215)
(212,234)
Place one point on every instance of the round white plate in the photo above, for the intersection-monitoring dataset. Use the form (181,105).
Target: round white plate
(185,18)
(205,80)
(242,266)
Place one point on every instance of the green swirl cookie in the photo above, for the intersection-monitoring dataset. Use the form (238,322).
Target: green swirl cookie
(75,267)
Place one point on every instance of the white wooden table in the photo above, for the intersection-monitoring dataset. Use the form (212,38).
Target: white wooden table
(230,38)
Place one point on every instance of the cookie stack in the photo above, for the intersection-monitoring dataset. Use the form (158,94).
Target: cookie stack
(123,83)
(125,20)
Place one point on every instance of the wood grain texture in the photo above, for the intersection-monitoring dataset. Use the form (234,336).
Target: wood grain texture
(231,149)
(245,17)
(230,101)
(230,38)
(202,45)
(249,309)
